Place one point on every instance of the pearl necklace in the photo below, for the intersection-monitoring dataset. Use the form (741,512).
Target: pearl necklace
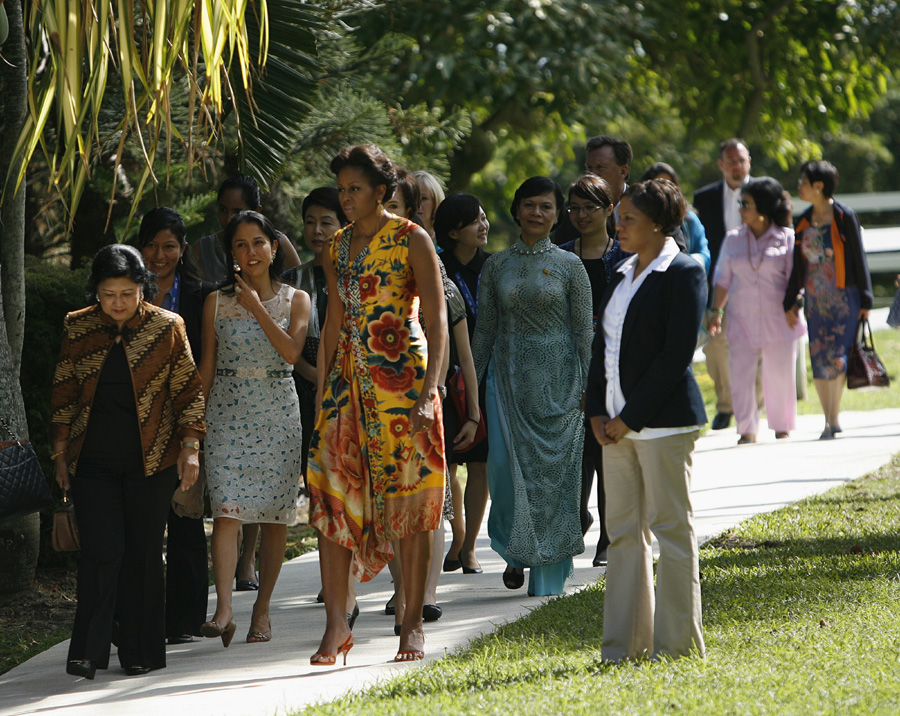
(531,252)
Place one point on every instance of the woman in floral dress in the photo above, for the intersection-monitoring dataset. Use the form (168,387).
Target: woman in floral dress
(830,268)
(376,462)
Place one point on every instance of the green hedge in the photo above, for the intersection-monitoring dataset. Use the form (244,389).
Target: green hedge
(51,291)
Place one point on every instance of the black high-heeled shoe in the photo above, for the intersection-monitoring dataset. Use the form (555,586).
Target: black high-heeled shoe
(81,667)
(351,616)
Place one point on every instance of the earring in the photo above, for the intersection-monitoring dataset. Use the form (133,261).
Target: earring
(380,206)
(237,269)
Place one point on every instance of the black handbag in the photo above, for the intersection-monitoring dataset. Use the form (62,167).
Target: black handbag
(23,487)
(864,367)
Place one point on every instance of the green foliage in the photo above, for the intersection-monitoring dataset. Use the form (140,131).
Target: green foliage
(798,609)
(51,291)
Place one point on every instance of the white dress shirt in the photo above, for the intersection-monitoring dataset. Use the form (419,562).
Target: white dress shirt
(731,210)
(613,323)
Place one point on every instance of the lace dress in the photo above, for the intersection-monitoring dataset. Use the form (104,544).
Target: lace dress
(535,329)
(253,442)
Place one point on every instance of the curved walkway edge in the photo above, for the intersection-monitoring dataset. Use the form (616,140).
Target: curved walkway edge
(729,485)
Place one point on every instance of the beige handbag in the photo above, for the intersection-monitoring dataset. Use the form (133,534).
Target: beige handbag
(191,502)
(65,528)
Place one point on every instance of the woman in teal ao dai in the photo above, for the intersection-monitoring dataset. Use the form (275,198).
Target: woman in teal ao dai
(533,339)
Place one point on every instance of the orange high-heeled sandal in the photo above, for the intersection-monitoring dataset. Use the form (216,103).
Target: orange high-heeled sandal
(325,658)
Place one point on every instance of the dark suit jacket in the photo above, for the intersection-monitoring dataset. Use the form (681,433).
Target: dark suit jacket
(658,342)
(708,203)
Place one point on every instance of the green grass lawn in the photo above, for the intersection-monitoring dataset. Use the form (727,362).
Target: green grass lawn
(800,611)
(887,343)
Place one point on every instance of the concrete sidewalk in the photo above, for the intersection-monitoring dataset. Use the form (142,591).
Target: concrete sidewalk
(730,484)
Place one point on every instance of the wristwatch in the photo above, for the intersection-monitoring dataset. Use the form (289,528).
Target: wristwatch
(191,443)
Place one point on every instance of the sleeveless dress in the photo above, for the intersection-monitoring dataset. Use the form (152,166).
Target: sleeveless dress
(253,442)
(831,312)
(369,480)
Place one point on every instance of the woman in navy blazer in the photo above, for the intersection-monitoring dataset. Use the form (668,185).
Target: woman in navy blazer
(646,409)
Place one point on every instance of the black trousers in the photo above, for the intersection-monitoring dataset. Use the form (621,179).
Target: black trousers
(121,518)
(187,575)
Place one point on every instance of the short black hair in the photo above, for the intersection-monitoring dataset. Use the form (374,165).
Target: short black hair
(771,200)
(120,261)
(621,149)
(276,268)
(248,187)
(657,168)
(825,172)
(372,162)
(592,188)
(328,198)
(661,201)
(537,186)
(453,213)
(161,218)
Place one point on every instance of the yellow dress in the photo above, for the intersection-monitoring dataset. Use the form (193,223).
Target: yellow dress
(369,480)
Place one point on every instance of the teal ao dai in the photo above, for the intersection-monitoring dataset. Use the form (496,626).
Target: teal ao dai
(533,339)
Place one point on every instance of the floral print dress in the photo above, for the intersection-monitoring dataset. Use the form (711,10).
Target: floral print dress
(831,312)
(371,481)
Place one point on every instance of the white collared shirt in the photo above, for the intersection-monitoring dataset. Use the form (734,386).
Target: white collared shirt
(613,324)
(731,210)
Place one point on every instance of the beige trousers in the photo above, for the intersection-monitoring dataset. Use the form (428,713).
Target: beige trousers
(647,485)
(716,352)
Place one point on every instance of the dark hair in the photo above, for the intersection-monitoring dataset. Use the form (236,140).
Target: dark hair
(409,190)
(822,171)
(328,198)
(453,213)
(772,201)
(276,268)
(372,162)
(248,187)
(536,186)
(120,261)
(733,143)
(657,168)
(621,148)
(592,188)
(661,201)
(162,218)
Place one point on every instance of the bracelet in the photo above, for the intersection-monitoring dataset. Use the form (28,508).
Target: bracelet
(472,420)
(57,454)
(189,443)
(717,311)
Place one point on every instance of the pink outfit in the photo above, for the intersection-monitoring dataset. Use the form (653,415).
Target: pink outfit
(755,273)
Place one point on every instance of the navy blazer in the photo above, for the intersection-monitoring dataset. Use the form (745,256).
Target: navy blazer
(658,343)
(708,203)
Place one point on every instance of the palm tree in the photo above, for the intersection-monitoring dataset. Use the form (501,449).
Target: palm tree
(248,65)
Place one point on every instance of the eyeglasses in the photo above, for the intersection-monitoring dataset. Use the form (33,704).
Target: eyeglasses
(745,205)
(588,209)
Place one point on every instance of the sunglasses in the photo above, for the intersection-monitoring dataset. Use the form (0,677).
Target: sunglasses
(745,204)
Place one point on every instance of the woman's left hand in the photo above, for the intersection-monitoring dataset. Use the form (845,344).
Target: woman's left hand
(466,435)
(421,416)
(863,314)
(616,429)
(246,295)
(188,467)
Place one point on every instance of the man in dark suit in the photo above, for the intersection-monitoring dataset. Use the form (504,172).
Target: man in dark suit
(717,206)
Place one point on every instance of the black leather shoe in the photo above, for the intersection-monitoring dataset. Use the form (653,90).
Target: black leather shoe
(389,607)
(351,616)
(180,639)
(600,558)
(137,670)
(81,667)
(451,565)
(721,421)
(472,570)
(512,579)
(432,612)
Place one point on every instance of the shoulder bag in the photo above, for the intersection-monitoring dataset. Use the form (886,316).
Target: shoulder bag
(864,367)
(23,487)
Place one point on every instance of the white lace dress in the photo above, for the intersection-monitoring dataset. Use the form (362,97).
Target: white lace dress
(253,441)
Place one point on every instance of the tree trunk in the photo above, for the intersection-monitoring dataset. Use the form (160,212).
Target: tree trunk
(13,94)
(18,537)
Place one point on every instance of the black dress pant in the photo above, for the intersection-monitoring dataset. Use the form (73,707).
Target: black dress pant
(187,575)
(121,519)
